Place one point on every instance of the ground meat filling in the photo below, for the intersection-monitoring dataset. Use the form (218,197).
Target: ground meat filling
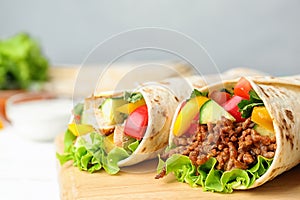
(234,145)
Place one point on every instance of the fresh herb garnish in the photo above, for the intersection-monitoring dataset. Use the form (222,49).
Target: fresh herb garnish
(132,97)
(246,106)
(196,93)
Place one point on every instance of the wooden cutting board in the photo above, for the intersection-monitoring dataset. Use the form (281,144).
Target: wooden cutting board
(131,183)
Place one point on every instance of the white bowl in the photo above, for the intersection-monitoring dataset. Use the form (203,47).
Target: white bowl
(38,117)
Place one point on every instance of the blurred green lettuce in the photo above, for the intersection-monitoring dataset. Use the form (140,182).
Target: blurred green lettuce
(21,62)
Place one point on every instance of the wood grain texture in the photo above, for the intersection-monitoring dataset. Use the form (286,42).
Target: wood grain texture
(130,183)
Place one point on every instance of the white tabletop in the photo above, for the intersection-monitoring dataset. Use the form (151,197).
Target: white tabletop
(27,168)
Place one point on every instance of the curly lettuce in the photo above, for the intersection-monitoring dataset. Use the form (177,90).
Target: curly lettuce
(89,154)
(210,178)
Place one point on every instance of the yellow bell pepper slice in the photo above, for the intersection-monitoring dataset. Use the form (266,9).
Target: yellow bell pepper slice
(109,143)
(1,124)
(130,107)
(80,129)
(187,114)
(261,116)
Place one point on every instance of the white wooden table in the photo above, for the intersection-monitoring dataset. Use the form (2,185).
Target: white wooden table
(27,169)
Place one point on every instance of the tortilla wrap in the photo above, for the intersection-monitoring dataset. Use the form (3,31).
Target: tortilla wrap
(281,97)
(161,104)
(90,151)
(182,87)
(161,99)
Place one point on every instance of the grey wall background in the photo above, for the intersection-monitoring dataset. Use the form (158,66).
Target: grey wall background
(259,34)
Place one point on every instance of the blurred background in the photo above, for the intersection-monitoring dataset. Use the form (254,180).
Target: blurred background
(262,35)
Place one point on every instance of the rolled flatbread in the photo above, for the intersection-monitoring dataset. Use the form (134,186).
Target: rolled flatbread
(280,97)
(161,100)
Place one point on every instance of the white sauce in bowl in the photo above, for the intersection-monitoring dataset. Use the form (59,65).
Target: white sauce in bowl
(40,120)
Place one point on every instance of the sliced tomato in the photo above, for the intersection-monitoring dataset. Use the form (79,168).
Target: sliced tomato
(136,123)
(219,97)
(242,88)
(231,106)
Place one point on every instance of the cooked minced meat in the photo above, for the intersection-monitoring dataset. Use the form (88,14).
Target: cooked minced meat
(234,145)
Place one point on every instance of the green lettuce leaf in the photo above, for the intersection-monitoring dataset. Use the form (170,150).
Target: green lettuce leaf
(210,178)
(132,97)
(234,179)
(90,155)
(196,93)
(259,168)
(69,139)
(21,62)
(213,178)
(246,106)
(129,144)
(134,145)
(63,158)
(114,156)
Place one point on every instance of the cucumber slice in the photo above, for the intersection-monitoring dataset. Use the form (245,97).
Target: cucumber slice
(263,131)
(108,109)
(213,112)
